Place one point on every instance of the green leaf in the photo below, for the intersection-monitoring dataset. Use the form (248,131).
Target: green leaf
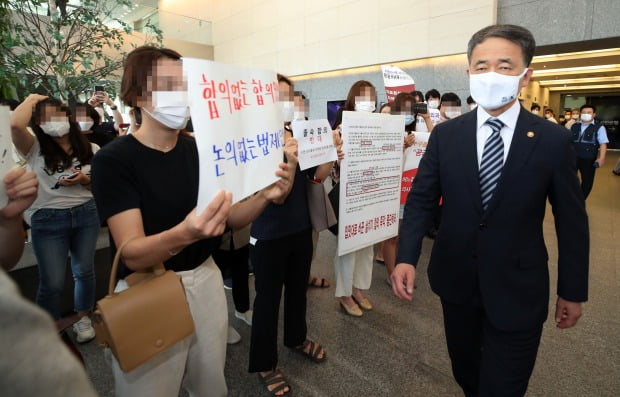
(72,51)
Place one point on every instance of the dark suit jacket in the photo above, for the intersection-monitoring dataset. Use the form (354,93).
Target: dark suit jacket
(501,250)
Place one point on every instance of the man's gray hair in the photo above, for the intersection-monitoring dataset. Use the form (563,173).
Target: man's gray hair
(516,34)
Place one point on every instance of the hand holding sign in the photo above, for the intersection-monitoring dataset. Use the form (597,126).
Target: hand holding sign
(212,221)
(6,160)
(315,145)
(238,127)
(291,150)
(21,189)
(338,144)
(278,191)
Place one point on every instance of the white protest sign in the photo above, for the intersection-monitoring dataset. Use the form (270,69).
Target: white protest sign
(6,151)
(315,143)
(396,81)
(370,177)
(238,127)
(413,155)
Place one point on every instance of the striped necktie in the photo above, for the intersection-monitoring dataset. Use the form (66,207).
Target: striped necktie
(492,162)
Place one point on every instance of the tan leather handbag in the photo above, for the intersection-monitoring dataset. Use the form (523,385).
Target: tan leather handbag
(322,214)
(145,319)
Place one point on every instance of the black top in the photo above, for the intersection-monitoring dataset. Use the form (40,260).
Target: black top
(163,186)
(102,134)
(292,217)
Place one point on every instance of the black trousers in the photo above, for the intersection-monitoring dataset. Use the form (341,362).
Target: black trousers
(487,361)
(277,263)
(235,263)
(586,170)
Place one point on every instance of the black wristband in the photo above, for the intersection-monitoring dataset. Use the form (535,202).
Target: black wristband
(113,107)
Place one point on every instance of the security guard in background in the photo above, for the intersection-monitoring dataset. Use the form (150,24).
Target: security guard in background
(590,140)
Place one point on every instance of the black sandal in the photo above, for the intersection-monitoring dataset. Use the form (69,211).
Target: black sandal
(312,351)
(274,377)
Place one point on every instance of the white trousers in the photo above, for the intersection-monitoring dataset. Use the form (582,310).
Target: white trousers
(196,362)
(353,270)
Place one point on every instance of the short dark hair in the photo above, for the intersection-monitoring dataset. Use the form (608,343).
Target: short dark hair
(587,106)
(470,100)
(535,106)
(513,33)
(400,106)
(432,93)
(400,101)
(418,94)
(138,68)
(450,97)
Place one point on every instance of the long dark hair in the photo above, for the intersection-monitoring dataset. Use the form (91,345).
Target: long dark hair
(89,110)
(355,90)
(55,157)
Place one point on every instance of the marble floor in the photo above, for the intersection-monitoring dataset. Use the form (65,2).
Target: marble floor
(398,349)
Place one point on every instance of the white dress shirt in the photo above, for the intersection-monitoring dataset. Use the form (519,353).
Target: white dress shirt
(509,118)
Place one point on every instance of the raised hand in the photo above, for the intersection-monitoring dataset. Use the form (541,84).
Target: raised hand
(21,188)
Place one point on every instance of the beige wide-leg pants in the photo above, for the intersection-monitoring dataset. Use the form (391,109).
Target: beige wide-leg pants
(196,362)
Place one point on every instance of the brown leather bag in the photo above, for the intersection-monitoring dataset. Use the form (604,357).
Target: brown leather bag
(145,319)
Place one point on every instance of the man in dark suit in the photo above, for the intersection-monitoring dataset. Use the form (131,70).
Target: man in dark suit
(495,168)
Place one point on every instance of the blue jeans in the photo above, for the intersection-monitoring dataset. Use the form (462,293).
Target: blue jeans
(55,234)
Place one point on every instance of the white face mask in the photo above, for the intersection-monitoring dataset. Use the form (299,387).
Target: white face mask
(297,115)
(586,117)
(535,112)
(364,106)
(56,128)
(472,106)
(452,113)
(434,104)
(575,117)
(493,90)
(408,119)
(288,110)
(547,115)
(170,108)
(86,125)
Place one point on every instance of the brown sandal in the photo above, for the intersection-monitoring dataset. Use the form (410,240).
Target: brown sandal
(314,283)
(273,378)
(312,351)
